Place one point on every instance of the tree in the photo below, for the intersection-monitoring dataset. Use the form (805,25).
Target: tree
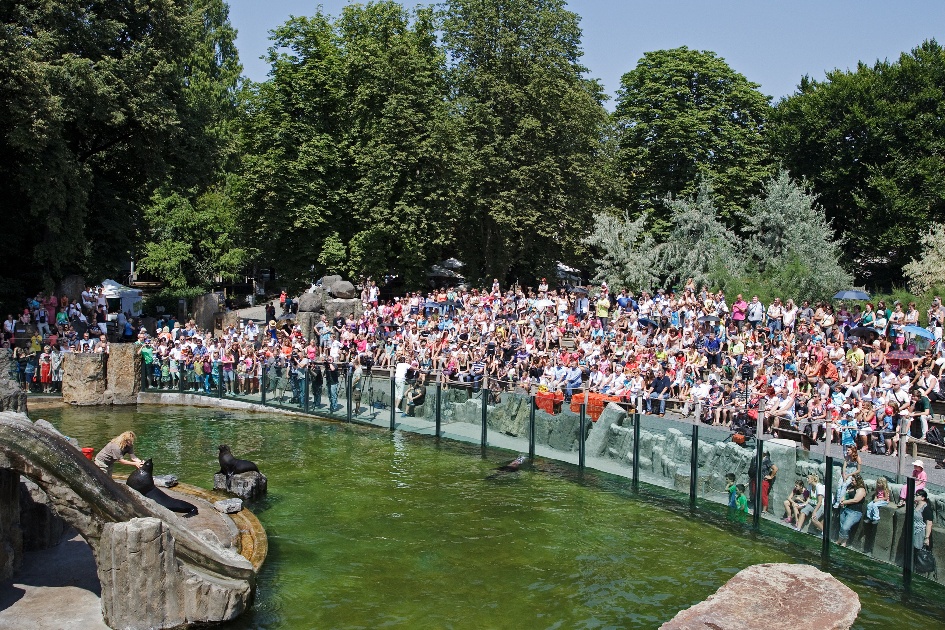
(530,129)
(869,141)
(189,234)
(626,252)
(90,113)
(929,270)
(191,243)
(791,241)
(684,116)
(400,141)
(699,246)
(289,189)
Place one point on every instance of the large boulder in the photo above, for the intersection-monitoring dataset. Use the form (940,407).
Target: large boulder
(144,585)
(124,375)
(353,307)
(12,396)
(205,310)
(600,433)
(767,594)
(328,281)
(247,486)
(83,379)
(306,322)
(311,302)
(343,290)
(71,287)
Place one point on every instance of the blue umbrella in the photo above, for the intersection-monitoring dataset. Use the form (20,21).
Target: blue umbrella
(919,332)
(647,322)
(852,295)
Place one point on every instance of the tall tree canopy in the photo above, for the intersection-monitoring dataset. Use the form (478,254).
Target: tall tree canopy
(684,116)
(530,128)
(872,144)
(349,148)
(94,116)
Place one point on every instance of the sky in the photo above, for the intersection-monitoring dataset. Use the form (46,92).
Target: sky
(772,43)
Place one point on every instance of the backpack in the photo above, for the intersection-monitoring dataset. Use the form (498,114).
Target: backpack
(934,436)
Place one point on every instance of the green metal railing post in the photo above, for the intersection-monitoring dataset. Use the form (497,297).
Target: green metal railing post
(694,467)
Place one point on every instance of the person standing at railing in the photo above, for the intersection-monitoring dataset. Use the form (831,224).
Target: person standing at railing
(331,381)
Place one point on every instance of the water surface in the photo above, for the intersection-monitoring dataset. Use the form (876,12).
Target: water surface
(369,529)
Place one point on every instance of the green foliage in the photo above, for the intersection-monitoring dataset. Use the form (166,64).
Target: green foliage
(929,270)
(190,243)
(530,133)
(869,141)
(791,243)
(699,246)
(351,136)
(333,254)
(684,116)
(626,252)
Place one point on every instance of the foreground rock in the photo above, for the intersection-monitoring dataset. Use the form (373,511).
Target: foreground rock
(784,596)
(12,396)
(144,585)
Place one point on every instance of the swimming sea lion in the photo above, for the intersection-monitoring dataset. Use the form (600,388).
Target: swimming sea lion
(230,466)
(143,481)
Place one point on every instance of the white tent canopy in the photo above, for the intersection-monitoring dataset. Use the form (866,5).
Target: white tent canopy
(130,299)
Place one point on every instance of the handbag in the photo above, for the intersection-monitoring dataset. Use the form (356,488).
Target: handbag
(924,561)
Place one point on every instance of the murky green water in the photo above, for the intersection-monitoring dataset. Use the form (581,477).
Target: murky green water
(369,529)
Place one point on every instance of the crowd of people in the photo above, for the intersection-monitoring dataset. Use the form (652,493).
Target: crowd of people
(49,327)
(852,373)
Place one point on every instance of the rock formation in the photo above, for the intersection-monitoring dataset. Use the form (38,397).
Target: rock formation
(83,379)
(124,375)
(247,486)
(145,586)
(777,597)
(205,309)
(154,571)
(42,527)
(343,290)
(12,396)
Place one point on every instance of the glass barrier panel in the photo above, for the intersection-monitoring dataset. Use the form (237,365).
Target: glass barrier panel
(665,453)
(722,465)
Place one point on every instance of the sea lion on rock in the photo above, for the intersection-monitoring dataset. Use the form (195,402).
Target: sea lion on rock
(142,480)
(230,466)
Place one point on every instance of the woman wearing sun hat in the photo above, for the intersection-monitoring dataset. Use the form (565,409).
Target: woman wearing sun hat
(918,472)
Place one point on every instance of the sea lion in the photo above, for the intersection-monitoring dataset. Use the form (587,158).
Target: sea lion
(142,480)
(230,466)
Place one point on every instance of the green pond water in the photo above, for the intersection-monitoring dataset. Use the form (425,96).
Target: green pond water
(371,529)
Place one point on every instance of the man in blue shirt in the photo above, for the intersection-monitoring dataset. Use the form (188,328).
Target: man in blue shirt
(573,380)
(659,390)
(713,348)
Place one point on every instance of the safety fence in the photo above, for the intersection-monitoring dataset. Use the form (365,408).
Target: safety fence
(753,479)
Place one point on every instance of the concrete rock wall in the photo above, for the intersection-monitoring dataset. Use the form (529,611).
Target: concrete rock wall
(124,375)
(94,379)
(83,379)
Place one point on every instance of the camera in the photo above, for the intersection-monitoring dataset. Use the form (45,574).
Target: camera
(747,371)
